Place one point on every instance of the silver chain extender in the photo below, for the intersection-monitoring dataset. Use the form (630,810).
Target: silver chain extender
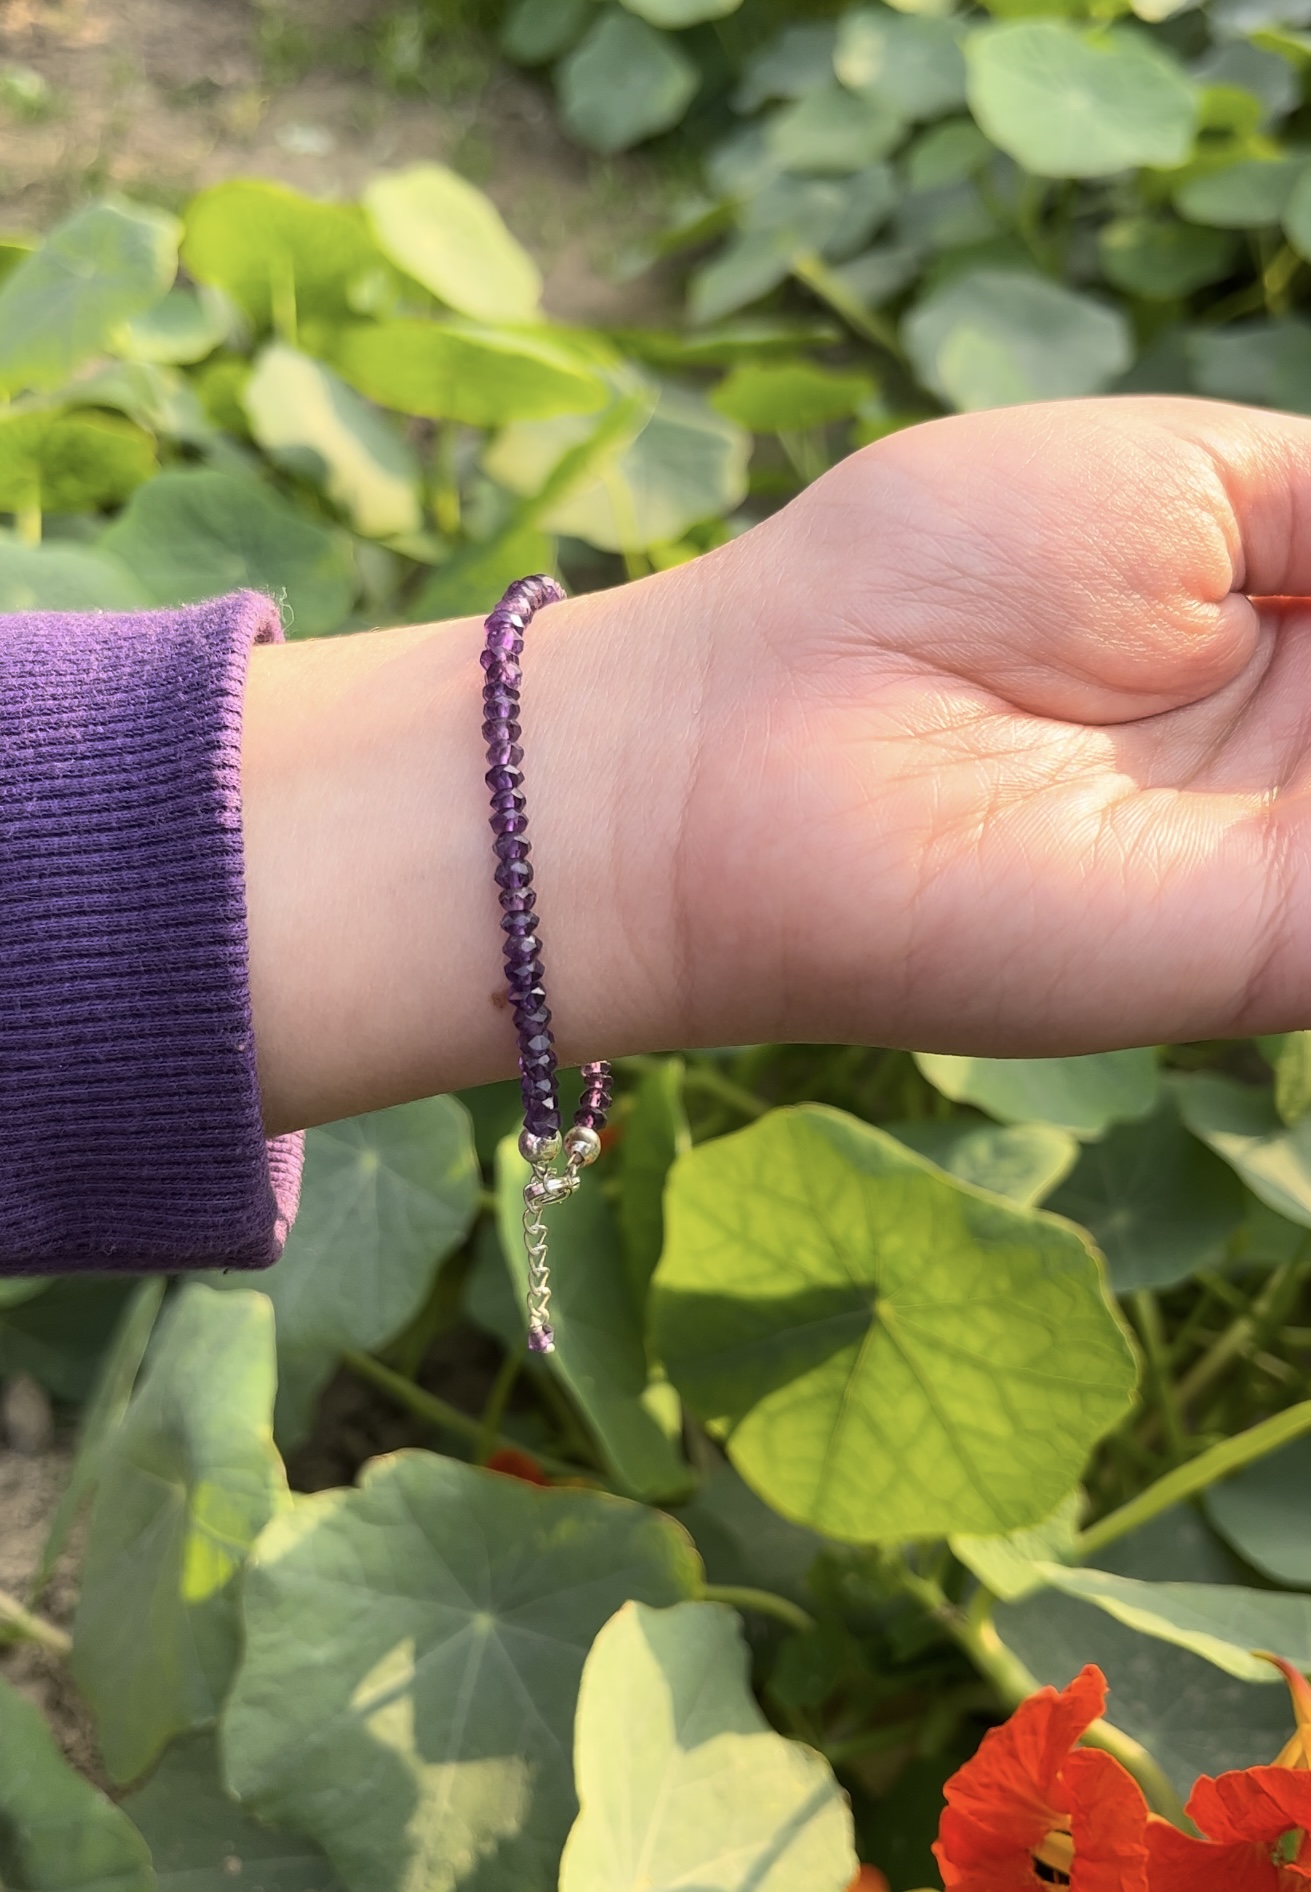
(545,1186)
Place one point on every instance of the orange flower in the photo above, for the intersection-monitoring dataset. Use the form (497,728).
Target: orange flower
(868,1879)
(516,1464)
(1255,1822)
(1029,1810)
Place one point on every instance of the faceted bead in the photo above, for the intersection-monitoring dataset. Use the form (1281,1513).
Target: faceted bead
(517,899)
(502,666)
(499,778)
(507,829)
(540,1042)
(513,874)
(590,1119)
(504,755)
(520,951)
(541,1339)
(517,925)
(501,729)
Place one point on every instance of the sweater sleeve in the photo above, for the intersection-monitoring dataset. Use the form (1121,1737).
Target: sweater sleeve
(130,1130)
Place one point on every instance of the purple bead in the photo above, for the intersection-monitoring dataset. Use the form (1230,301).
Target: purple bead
(504,755)
(541,1339)
(502,669)
(517,899)
(520,951)
(509,844)
(517,925)
(500,779)
(501,729)
(540,1043)
(513,874)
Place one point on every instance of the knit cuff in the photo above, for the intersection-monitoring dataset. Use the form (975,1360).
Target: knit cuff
(130,1129)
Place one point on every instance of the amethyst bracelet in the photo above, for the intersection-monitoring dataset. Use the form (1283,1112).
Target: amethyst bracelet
(540,1140)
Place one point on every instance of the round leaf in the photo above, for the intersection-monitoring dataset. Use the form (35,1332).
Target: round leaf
(61,462)
(309,421)
(413,1654)
(833,129)
(62,303)
(794,62)
(915,65)
(1237,196)
(537,30)
(59,577)
(471,582)
(673,14)
(994,337)
(655,1132)
(183,328)
(1241,1125)
(1263,1513)
(889,1353)
(1024,1161)
(1265,363)
(280,256)
(772,397)
(1297,214)
(1159,258)
(682,1781)
(445,233)
(195,534)
(1084,1095)
(1221,1622)
(625,82)
(1066,102)
(186,1484)
(482,376)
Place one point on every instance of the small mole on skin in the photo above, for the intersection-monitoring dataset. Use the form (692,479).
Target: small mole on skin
(500,1000)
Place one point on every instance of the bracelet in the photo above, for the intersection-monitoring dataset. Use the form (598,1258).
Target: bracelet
(539,1140)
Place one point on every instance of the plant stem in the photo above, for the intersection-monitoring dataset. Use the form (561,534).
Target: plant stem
(1187,1480)
(712,1083)
(740,1596)
(830,288)
(497,1400)
(27,525)
(29,1627)
(1269,1305)
(1147,1315)
(446,488)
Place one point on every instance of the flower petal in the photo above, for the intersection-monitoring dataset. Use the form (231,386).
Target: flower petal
(1260,1803)
(1108,1819)
(1179,1863)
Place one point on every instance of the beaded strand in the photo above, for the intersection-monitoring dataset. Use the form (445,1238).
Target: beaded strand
(540,1140)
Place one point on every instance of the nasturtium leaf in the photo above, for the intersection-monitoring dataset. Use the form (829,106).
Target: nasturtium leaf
(61,577)
(535,31)
(200,1839)
(878,274)
(888,1353)
(773,396)
(60,1330)
(1158,1204)
(443,231)
(684,464)
(1241,1125)
(825,216)
(946,154)
(472,581)
(1160,258)
(69,462)
(623,83)
(185,327)
(1223,1623)
(834,130)
(600,1350)
(1236,196)
(159,399)
(58,1833)
(1263,1513)
(1239,65)
(1297,214)
(280,256)
(742,1540)
(483,376)
(191,533)
(309,421)
(63,302)
(671,15)
(413,1653)
(1085,1095)
(1266,363)
(1006,1564)
(747,267)
(1024,1161)
(914,65)
(682,1781)
(1065,101)
(1292,1068)
(186,1484)
(15,1289)
(993,337)
(385,1198)
(655,1133)
(793,63)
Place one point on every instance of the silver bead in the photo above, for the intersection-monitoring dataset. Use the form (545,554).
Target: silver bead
(581,1144)
(535,1149)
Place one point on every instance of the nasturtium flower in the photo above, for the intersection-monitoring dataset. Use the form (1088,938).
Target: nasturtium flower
(1256,1824)
(1029,1810)
(513,1463)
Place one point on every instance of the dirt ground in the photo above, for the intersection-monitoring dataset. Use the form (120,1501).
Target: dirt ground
(159,97)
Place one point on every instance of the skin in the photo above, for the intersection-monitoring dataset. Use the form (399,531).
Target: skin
(997,740)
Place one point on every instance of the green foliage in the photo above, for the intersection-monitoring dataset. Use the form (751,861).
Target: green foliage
(624,82)
(448,236)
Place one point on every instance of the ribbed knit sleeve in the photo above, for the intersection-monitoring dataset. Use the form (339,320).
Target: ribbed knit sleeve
(130,1131)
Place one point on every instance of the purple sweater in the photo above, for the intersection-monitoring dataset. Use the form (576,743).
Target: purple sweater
(130,1132)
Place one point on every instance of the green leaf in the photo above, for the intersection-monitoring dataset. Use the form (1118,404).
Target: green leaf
(413,1653)
(671,15)
(1252,191)
(793,63)
(200,1839)
(160,400)
(58,1330)
(1292,1068)
(888,1353)
(994,337)
(58,1833)
(1064,101)
(791,218)
(483,376)
(445,233)
(1241,1125)
(1006,1564)
(655,1133)
(1085,1095)
(771,397)
(191,534)
(535,31)
(742,1541)
(385,1199)
(57,462)
(311,423)
(1265,363)
(1024,1161)
(1157,1203)
(684,464)
(185,327)
(946,154)
(187,1483)
(59,577)
(62,303)
(682,1780)
(1221,1622)
(1159,258)
(280,256)
(1297,214)
(624,83)
(472,581)
(600,1351)
(1263,1514)
(833,129)
(914,65)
